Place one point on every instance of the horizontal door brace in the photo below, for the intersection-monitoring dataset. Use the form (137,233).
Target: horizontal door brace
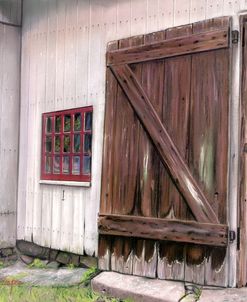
(170,48)
(163,229)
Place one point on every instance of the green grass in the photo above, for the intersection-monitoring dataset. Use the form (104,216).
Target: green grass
(89,275)
(25,293)
(37,263)
(12,289)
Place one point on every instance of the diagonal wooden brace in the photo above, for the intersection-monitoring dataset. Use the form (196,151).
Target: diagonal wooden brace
(167,150)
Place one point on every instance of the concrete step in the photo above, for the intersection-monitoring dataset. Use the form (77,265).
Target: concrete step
(140,289)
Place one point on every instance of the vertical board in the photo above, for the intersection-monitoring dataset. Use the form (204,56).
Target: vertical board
(9,131)
(176,121)
(125,180)
(242,253)
(208,131)
(151,77)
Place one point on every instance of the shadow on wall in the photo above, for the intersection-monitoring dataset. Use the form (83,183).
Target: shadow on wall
(11,11)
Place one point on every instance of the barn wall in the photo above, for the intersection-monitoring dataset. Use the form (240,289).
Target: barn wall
(63,66)
(9,131)
(10,11)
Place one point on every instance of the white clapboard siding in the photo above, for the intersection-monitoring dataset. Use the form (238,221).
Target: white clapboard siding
(9,131)
(63,66)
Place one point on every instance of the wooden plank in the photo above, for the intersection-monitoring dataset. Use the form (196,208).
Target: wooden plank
(170,48)
(152,78)
(176,120)
(163,229)
(164,144)
(242,260)
(107,164)
(125,248)
(208,150)
(110,112)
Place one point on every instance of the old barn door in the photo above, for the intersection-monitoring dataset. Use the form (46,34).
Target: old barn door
(164,188)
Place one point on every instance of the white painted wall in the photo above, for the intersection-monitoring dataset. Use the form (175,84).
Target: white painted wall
(9,131)
(63,66)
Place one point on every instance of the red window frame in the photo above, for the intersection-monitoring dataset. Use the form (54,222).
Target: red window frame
(52,155)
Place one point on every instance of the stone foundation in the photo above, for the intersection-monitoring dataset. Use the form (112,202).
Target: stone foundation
(8,254)
(31,251)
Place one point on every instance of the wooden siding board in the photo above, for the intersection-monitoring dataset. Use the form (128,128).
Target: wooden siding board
(108,156)
(208,131)
(145,252)
(49,61)
(138,17)
(124,189)
(181,12)
(152,15)
(9,131)
(172,204)
(165,14)
(40,94)
(242,259)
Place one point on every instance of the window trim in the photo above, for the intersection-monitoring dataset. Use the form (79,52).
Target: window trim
(65,177)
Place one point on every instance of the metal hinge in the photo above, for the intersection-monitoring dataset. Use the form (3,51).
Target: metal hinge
(233,236)
(235,36)
(238,239)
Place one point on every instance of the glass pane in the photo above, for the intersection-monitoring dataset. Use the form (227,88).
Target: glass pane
(58,124)
(48,164)
(76,165)
(88,120)
(66,143)
(87,165)
(48,143)
(77,125)
(56,165)
(87,143)
(77,143)
(66,164)
(48,125)
(57,143)
(67,123)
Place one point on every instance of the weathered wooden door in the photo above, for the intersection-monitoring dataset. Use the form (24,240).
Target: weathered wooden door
(164,186)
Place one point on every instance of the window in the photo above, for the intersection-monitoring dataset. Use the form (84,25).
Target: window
(67,145)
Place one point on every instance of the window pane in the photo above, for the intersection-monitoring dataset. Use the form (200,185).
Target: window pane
(57,143)
(48,164)
(87,165)
(66,143)
(56,165)
(58,124)
(48,125)
(77,143)
(87,143)
(76,165)
(67,123)
(66,165)
(77,125)
(88,120)
(48,143)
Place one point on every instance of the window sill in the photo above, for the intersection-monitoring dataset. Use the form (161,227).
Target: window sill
(66,183)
